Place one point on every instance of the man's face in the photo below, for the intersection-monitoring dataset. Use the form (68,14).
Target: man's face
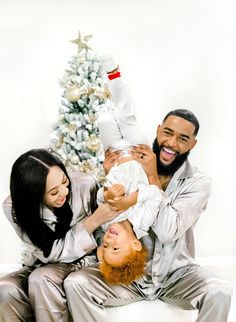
(175,138)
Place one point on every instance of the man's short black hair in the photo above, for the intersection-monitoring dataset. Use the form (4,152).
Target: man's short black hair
(187,115)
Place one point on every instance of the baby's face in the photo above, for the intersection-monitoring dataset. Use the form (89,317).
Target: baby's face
(119,241)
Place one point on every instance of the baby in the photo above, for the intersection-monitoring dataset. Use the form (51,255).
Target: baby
(122,256)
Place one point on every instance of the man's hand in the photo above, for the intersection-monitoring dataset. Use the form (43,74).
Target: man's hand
(115,191)
(147,158)
(111,159)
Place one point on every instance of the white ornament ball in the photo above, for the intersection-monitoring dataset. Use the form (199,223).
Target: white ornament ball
(73,93)
(93,143)
(74,159)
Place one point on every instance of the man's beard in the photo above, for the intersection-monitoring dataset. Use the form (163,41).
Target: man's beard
(170,169)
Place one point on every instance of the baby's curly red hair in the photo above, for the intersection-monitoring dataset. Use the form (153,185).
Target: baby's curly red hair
(132,268)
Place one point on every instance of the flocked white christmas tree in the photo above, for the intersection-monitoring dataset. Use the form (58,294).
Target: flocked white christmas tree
(75,136)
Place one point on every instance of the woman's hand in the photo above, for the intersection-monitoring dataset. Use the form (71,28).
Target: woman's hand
(101,215)
(111,159)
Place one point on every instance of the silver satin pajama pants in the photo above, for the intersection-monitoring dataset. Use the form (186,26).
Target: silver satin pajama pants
(88,295)
(41,293)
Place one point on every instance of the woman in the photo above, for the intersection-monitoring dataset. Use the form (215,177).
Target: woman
(52,214)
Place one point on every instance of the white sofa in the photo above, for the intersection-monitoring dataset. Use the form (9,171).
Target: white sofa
(149,311)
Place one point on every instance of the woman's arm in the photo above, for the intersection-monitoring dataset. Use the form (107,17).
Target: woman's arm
(102,214)
(77,242)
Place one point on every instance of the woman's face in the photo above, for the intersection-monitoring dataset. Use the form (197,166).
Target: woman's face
(56,188)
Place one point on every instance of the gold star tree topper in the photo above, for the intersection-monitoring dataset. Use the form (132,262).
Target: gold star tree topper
(82,42)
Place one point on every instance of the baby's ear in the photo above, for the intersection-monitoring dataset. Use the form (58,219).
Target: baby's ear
(100,253)
(137,245)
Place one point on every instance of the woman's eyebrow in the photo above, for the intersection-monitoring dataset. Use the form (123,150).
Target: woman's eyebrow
(52,189)
(63,178)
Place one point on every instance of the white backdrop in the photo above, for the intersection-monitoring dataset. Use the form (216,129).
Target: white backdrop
(174,53)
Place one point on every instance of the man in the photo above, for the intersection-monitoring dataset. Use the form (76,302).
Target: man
(172,273)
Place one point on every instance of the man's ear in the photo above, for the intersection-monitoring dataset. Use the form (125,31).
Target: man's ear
(137,245)
(157,130)
(194,142)
(100,253)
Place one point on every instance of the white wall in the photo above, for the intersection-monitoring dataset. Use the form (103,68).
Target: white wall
(178,53)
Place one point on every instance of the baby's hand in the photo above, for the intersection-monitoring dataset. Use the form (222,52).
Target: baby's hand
(111,159)
(115,191)
(124,202)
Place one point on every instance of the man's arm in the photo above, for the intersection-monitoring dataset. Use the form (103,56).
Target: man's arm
(147,158)
(180,210)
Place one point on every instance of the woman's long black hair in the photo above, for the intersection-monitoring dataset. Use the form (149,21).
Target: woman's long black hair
(27,186)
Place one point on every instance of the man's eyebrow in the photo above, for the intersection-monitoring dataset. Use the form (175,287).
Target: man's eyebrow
(185,136)
(181,134)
